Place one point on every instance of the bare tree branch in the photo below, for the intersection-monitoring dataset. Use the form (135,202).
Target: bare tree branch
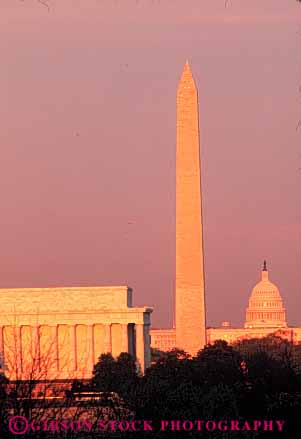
(45,3)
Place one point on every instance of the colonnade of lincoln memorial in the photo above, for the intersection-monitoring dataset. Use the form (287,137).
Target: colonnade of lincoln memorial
(59,333)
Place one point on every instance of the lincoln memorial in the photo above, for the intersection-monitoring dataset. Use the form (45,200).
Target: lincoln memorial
(59,333)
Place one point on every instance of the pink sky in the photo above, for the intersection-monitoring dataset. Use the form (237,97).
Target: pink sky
(87,181)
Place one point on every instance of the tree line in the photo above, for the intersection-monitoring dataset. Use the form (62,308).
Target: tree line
(252,380)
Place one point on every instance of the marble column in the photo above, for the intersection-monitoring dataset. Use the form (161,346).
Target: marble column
(107,338)
(36,348)
(1,349)
(124,338)
(147,350)
(55,338)
(18,351)
(91,359)
(131,339)
(140,346)
(73,347)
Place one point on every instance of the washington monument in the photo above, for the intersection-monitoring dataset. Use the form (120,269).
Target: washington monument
(190,290)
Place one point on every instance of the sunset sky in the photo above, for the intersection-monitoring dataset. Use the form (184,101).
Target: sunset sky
(87,181)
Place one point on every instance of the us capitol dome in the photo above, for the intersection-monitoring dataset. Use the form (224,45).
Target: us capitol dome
(265,316)
(265,308)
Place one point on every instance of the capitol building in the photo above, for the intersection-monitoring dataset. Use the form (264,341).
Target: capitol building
(265,315)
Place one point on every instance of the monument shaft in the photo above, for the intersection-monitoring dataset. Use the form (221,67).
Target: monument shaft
(190,294)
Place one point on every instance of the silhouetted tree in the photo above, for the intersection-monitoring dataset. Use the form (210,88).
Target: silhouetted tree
(126,374)
(269,375)
(162,379)
(220,363)
(277,347)
(172,366)
(103,377)
(115,375)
